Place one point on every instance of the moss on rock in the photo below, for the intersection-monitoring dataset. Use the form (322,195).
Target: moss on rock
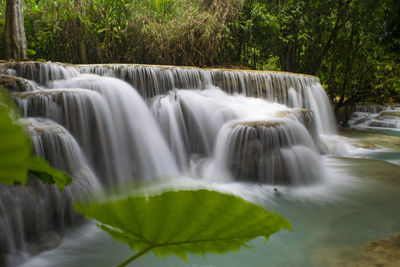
(14,84)
(257,124)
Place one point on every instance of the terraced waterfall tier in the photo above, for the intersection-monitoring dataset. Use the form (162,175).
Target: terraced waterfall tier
(292,90)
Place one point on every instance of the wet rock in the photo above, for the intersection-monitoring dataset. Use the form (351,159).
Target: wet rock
(382,253)
(40,72)
(15,84)
(383,124)
(344,113)
(305,117)
(374,108)
(47,240)
(360,121)
(258,124)
(389,114)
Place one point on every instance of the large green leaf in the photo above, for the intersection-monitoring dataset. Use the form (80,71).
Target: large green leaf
(15,147)
(16,159)
(177,222)
(42,170)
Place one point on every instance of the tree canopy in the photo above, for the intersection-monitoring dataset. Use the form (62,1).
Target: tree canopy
(352,45)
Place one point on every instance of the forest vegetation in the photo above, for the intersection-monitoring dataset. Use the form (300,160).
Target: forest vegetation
(353,46)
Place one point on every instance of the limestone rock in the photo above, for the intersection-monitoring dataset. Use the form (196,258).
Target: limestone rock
(15,84)
(382,253)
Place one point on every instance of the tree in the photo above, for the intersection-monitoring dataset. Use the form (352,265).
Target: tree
(14,31)
(80,32)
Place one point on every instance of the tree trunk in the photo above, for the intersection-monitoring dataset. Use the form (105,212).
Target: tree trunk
(14,32)
(80,33)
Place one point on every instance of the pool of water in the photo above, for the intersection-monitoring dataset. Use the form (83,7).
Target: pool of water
(357,202)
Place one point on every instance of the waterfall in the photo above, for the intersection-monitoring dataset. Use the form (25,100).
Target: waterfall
(97,110)
(249,131)
(376,117)
(106,125)
(294,90)
(40,73)
(273,152)
(30,215)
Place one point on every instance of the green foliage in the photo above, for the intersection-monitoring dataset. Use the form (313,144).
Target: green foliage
(347,43)
(186,32)
(177,222)
(391,26)
(42,170)
(16,160)
(14,147)
(31,52)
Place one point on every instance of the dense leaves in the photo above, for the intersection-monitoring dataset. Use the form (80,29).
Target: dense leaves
(42,170)
(177,222)
(16,160)
(14,147)
(352,45)
(183,32)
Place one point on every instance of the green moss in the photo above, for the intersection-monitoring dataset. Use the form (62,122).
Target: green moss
(14,84)
(255,124)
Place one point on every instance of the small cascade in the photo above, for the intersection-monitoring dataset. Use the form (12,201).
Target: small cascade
(293,90)
(151,81)
(32,216)
(375,108)
(86,115)
(191,120)
(195,124)
(132,128)
(376,117)
(40,72)
(273,152)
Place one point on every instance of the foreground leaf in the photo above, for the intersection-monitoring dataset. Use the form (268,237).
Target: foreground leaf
(16,160)
(42,170)
(15,147)
(177,222)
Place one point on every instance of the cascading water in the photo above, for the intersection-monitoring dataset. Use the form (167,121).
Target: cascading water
(273,152)
(40,73)
(217,125)
(296,91)
(30,214)
(376,117)
(96,111)
(215,129)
